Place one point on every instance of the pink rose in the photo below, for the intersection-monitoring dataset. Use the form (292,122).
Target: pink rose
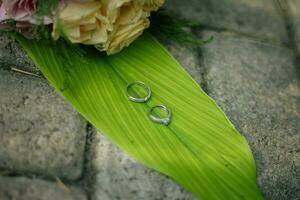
(2,12)
(20,10)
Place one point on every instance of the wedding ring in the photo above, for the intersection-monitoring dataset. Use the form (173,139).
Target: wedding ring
(136,98)
(165,120)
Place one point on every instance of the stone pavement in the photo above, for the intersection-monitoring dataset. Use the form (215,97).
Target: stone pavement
(294,17)
(251,69)
(257,85)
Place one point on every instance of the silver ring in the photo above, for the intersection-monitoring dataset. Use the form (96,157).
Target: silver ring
(139,99)
(166,120)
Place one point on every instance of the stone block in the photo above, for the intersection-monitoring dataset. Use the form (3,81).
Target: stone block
(258,87)
(294,8)
(119,176)
(256,17)
(22,188)
(40,132)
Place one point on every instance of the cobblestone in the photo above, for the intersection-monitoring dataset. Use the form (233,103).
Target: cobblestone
(188,58)
(294,7)
(39,132)
(256,17)
(118,176)
(21,188)
(12,55)
(256,84)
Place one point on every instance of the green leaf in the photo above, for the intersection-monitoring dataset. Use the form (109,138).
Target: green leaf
(170,26)
(200,149)
(46,7)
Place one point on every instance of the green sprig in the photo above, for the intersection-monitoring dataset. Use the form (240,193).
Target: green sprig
(169,26)
(46,7)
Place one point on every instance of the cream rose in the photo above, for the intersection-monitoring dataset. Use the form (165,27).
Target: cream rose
(81,23)
(110,25)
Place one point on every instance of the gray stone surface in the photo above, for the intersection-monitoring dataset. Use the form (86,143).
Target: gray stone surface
(12,55)
(188,58)
(257,85)
(40,132)
(20,188)
(118,176)
(252,17)
(294,7)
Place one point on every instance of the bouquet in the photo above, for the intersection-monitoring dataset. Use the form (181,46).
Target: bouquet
(109,25)
(139,97)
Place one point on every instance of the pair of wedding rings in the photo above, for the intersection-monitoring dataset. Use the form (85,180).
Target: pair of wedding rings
(161,120)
